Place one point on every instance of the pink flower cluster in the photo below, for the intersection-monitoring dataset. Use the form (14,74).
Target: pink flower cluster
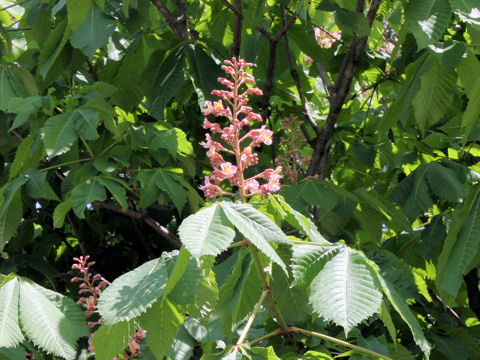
(91,286)
(233,105)
(325,38)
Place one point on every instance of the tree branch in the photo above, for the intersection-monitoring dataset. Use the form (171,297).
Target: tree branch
(161,230)
(448,309)
(237,30)
(177,23)
(296,78)
(350,63)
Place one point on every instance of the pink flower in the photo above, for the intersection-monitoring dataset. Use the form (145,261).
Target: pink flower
(248,157)
(260,136)
(213,127)
(229,170)
(211,190)
(251,186)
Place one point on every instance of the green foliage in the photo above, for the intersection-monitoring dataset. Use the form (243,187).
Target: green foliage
(375,233)
(122,300)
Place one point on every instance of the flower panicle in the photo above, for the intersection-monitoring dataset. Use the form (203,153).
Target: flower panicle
(91,285)
(233,105)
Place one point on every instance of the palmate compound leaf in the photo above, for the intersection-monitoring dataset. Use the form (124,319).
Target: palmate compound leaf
(345,291)
(134,292)
(206,232)
(9,325)
(257,228)
(44,323)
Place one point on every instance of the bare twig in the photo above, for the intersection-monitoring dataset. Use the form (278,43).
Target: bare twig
(448,309)
(161,230)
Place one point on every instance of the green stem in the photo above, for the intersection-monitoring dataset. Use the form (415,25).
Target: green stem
(245,331)
(341,342)
(239,243)
(87,147)
(108,148)
(268,336)
(266,286)
(65,164)
(302,242)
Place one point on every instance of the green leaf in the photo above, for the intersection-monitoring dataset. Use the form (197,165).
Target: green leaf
(461,245)
(344,291)
(435,96)
(181,264)
(51,49)
(118,191)
(24,108)
(94,31)
(59,134)
(257,228)
(85,193)
(161,322)
(77,10)
(472,113)
(9,324)
(44,324)
(21,156)
(168,184)
(36,183)
(444,182)
(203,72)
(86,122)
(72,311)
(134,292)
(6,91)
(467,11)
(206,232)
(400,305)
(300,221)
(60,212)
(10,219)
(308,260)
(352,22)
(110,341)
(9,190)
(168,81)
(427,20)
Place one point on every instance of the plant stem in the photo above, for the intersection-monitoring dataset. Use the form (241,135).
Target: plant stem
(341,342)
(266,286)
(251,318)
(65,164)
(87,147)
(268,336)
(302,242)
